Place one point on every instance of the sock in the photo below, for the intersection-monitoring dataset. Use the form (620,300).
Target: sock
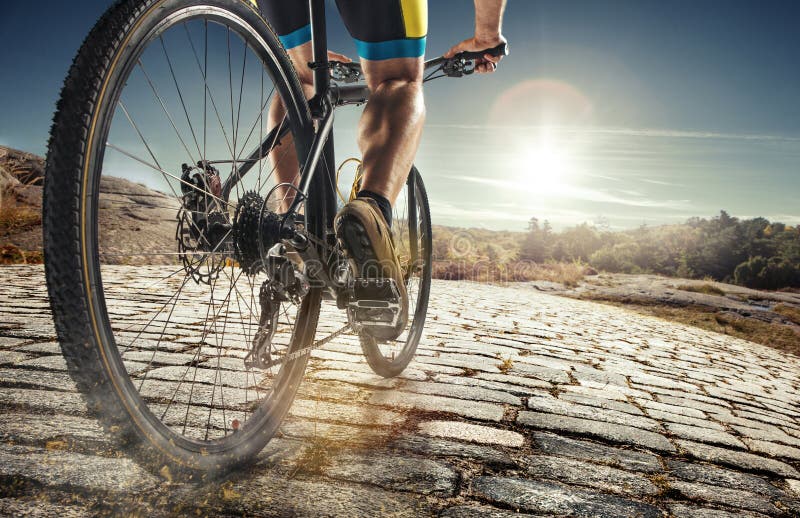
(383,204)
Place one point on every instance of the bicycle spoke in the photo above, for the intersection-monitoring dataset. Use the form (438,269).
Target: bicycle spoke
(230,89)
(158,169)
(247,334)
(165,175)
(163,330)
(180,96)
(216,374)
(194,378)
(166,112)
(202,340)
(210,96)
(260,129)
(154,317)
(260,117)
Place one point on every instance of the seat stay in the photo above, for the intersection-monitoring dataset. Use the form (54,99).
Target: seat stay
(243,166)
(310,166)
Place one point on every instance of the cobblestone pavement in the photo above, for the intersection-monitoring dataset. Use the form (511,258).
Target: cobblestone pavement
(517,402)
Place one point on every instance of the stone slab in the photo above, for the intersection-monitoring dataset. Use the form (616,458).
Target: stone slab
(472,433)
(597,429)
(552,498)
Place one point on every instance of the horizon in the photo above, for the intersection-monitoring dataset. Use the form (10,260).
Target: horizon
(639,114)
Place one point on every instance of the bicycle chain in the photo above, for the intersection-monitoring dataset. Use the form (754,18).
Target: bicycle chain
(307,350)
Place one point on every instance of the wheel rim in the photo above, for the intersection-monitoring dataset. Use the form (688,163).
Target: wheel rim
(416,263)
(182,363)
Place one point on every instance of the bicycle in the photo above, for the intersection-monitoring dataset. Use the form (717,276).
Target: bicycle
(159,325)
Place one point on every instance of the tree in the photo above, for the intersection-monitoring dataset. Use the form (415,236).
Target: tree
(536,245)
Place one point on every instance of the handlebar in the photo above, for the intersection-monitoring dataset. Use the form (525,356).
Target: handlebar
(500,50)
(459,65)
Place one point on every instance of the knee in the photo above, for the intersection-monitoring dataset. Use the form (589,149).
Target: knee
(388,85)
(393,74)
(396,86)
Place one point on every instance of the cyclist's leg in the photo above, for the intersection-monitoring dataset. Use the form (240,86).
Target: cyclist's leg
(390,36)
(291,21)
(284,157)
(391,125)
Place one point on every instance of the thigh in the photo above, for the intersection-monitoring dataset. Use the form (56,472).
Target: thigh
(386,29)
(290,19)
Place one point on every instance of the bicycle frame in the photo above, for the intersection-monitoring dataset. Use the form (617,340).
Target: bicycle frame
(327,98)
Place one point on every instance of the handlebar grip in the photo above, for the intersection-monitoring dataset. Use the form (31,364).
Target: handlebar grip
(500,50)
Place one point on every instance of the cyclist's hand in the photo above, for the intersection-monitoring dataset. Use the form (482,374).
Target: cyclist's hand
(487,64)
(335,56)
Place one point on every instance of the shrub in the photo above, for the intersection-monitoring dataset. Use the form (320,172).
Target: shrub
(617,258)
(760,273)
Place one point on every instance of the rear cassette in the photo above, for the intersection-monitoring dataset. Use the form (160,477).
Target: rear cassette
(252,224)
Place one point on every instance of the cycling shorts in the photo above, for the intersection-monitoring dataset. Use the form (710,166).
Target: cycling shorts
(382,29)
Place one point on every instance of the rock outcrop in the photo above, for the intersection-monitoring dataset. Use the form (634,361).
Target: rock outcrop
(133,217)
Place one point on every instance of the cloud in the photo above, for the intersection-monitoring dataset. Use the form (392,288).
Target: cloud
(469,215)
(571,192)
(633,132)
(660,182)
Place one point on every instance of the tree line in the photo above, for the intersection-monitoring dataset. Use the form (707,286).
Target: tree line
(753,252)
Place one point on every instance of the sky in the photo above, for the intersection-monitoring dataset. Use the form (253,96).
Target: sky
(616,112)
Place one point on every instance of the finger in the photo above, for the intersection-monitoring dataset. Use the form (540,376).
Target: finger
(338,57)
(493,59)
(456,49)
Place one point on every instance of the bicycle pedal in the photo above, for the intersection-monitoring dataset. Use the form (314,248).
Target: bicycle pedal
(373,303)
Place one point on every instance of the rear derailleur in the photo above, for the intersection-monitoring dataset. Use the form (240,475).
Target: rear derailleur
(285,283)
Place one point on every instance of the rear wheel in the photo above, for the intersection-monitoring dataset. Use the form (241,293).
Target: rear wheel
(154,312)
(414,244)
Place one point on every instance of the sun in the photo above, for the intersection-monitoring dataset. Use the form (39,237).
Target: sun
(542,167)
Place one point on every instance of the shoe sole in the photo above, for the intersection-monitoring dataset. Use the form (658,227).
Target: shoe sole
(355,241)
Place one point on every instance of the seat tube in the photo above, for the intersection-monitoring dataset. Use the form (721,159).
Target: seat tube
(320,107)
(319,45)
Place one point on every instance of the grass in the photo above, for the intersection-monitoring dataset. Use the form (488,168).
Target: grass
(566,273)
(708,289)
(777,336)
(791,313)
(506,365)
(15,218)
(315,457)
